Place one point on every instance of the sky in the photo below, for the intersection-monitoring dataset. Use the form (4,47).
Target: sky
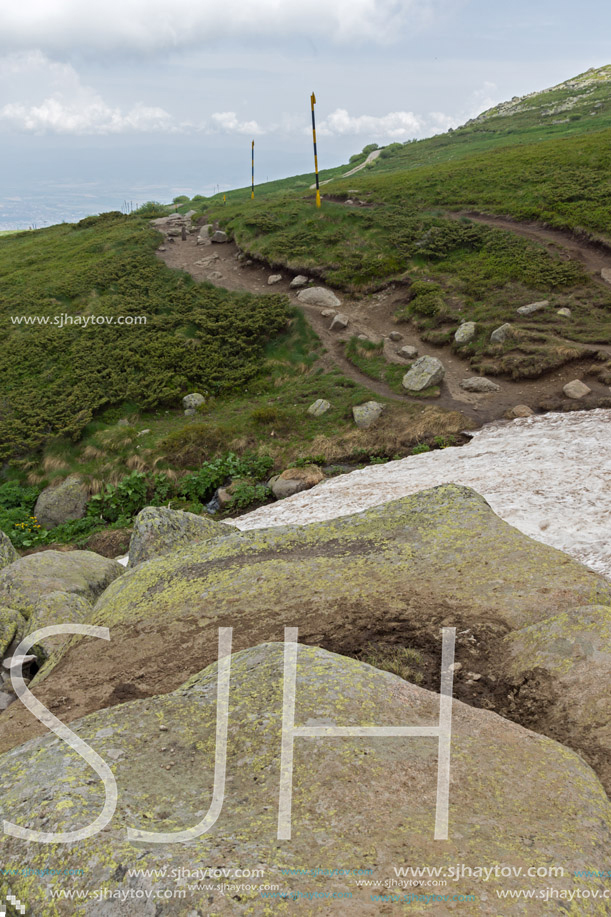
(115,101)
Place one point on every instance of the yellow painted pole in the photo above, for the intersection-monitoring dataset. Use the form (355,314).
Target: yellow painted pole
(252,193)
(313,103)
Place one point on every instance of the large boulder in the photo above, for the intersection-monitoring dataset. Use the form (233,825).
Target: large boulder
(366,415)
(514,797)
(318,296)
(479,384)
(62,503)
(573,651)
(466,333)
(30,579)
(219,236)
(395,572)
(8,554)
(425,373)
(158,530)
(294,480)
(57,608)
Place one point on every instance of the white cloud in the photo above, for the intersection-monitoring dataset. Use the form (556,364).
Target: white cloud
(89,115)
(395,125)
(152,25)
(227,122)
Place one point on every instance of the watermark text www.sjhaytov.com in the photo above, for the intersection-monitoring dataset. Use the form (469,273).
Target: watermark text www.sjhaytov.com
(80,321)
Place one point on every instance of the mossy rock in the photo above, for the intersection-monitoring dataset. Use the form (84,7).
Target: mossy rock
(515,797)
(158,530)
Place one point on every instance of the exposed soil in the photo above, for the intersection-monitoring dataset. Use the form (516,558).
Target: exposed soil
(373,316)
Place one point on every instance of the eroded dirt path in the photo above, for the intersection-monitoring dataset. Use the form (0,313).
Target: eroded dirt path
(371,315)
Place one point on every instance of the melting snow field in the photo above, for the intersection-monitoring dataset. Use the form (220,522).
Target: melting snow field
(549,476)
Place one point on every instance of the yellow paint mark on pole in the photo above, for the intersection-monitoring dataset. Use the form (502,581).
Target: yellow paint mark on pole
(252,193)
(313,103)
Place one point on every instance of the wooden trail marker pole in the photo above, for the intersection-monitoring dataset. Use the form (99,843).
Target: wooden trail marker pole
(313,103)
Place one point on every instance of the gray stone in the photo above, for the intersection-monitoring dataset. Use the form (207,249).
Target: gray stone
(57,608)
(576,389)
(189,412)
(339,322)
(549,799)
(606,274)
(466,333)
(318,296)
(294,480)
(62,503)
(274,278)
(319,407)
(533,307)
(499,335)
(479,384)
(194,400)
(219,236)
(520,410)
(299,281)
(328,313)
(365,415)
(6,699)
(408,352)
(565,313)
(214,276)
(8,554)
(158,530)
(395,336)
(425,373)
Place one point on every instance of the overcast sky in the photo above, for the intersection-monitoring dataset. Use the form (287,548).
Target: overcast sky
(108,100)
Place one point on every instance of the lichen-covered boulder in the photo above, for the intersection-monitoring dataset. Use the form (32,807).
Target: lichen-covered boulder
(57,608)
(62,503)
(425,373)
(8,554)
(465,333)
(394,572)
(158,530)
(573,649)
(10,621)
(514,797)
(366,415)
(27,581)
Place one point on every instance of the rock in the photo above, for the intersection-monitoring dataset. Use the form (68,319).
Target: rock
(299,281)
(465,333)
(395,336)
(501,334)
(162,248)
(366,415)
(408,352)
(158,530)
(425,373)
(576,389)
(565,313)
(194,400)
(26,582)
(214,276)
(533,307)
(328,313)
(8,553)
(274,278)
(339,322)
(219,236)
(444,548)
(57,608)
(479,384)
(14,661)
(189,412)
(174,232)
(606,274)
(318,296)
(574,650)
(124,422)
(319,407)
(6,699)
(10,622)
(294,480)
(362,337)
(520,410)
(189,214)
(62,503)
(527,793)
(143,432)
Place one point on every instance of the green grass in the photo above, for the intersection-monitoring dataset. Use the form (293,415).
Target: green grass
(56,379)
(368,356)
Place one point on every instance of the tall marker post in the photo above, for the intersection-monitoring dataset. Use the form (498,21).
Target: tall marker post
(252,193)
(313,102)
